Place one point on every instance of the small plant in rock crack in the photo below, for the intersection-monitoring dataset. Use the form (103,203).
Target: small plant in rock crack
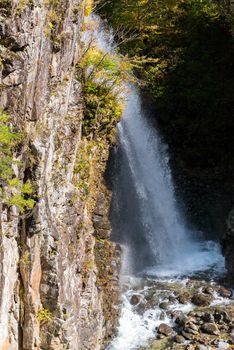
(43,315)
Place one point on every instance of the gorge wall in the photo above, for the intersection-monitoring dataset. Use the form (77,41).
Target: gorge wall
(55,259)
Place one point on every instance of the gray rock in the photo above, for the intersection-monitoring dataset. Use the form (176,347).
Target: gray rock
(135,299)
(179,339)
(201,347)
(210,328)
(208,290)
(164,305)
(193,326)
(191,331)
(224,292)
(187,335)
(200,299)
(184,297)
(162,316)
(207,317)
(165,329)
(181,320)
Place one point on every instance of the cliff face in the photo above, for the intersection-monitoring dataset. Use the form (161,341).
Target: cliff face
(51,293)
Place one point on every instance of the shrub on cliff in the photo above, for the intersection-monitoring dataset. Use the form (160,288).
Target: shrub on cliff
(12,190)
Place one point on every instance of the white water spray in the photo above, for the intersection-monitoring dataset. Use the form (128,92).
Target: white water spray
(146,218)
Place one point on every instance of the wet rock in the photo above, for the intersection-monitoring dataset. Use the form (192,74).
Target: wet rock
(191,331)
(187,335)
(190,347)
(208,290)
(225,293)
(179,339)
(226,317)
(181,320)
(162,316)
(223,345)
(164,305)
(201,347)
(218,316)
(172,299)
(210,328)
(135,299)
(161,336)
(165,329)
(197,314)
(207,317)
(184,298)
(193,326)
(201,299)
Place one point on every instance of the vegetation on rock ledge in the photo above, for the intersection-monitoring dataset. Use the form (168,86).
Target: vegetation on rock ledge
(12,190)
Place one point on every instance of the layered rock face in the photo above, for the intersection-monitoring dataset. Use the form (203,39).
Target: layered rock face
(52,293)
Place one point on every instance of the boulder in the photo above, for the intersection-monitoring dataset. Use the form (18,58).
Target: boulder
(201,347)
(200,299)
(179,339)
(164,305)
(165,329)
(191,331)
(208,317)
(225,293)
(162,316)
(210,328)
(184,298)
(187,335)
(208,290)
(181,320)
(135,299)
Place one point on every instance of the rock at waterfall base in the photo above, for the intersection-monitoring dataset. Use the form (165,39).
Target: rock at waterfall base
(165,329)
(210,328)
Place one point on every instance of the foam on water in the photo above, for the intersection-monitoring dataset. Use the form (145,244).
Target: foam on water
(197,257)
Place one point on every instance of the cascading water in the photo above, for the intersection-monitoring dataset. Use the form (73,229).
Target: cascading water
(160,254)
(145,213)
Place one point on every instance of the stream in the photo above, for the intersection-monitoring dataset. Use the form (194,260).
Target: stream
(171,294)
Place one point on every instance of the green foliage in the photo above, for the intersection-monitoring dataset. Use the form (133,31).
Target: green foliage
(82,167)
(21,193)
(43,315)
(184,51)
(104,75)
(9,139)
(102,110)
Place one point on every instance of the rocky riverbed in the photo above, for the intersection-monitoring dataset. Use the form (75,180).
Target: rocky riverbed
(176,314)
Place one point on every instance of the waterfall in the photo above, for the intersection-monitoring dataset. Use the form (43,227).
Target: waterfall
(145,212)
(154,222)
(145,215)
(147,222)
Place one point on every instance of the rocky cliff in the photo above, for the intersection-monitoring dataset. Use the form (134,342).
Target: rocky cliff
(55,259)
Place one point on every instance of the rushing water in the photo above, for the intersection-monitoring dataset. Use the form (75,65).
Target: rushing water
(146,215)
(146,219)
